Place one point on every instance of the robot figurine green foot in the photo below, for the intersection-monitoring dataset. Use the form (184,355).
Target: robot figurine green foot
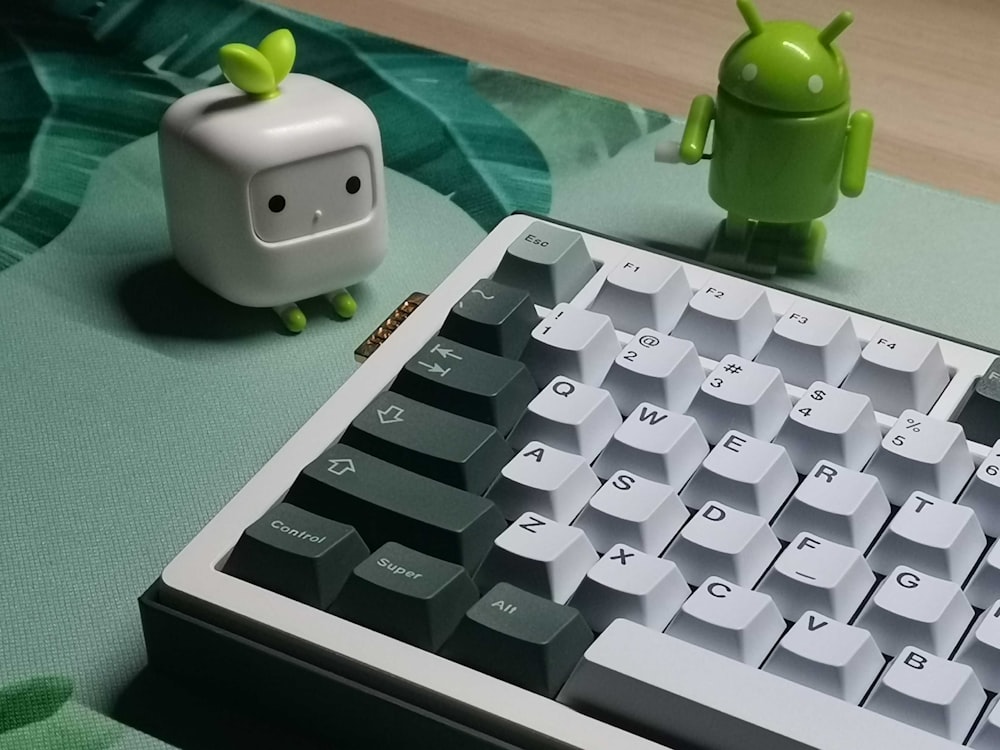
(785,144)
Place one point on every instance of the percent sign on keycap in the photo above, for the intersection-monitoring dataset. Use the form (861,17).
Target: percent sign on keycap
(912,424)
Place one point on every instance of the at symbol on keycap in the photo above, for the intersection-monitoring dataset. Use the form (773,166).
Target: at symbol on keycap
(733,368)
(622,556)
(649,341)
(912,425)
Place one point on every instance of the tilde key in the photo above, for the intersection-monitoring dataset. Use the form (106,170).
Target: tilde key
(492,317)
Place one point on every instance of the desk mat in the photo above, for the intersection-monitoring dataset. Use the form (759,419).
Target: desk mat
(136,403)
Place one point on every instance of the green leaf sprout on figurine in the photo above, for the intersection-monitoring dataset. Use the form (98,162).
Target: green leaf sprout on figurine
(785,144)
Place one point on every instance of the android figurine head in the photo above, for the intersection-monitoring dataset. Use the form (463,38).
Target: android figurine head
(786,66)
(273,183)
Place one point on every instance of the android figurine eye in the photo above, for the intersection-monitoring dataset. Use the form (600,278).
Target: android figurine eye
(785,143)
(353,184)
(276,204)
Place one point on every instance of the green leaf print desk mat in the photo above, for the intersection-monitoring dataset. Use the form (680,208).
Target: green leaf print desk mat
(135,403)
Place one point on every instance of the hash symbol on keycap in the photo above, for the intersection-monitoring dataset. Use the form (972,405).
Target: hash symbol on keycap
(733,368)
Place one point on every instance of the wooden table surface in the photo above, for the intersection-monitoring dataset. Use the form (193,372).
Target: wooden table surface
(929,70)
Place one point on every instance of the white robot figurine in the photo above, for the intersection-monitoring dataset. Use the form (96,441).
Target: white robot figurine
(273,184)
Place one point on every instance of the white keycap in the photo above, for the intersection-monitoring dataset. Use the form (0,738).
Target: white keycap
(730,620)
(538,555)
(837,503)
(741,395)
(981,648)
(579,344)
(987,734)
(914,608)
(921,453)
(571,416)
(657,444)
(656,368)
(939,538)
(545,480)
(723,541)
(749,474)
(812,342)
(982,494)
(816,574)
(635,511)
(644,290)
(727,316)
(900,369)
(826,655)
(984,586)
(628,583)
(928,692)
(832,424)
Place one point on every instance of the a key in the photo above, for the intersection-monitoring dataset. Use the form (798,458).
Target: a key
(656,368)
(899,369)
(939,538)
(816,574)
(468,382)
(982,494)
(984,586)
(837,503)
(926,691)
(981,648)
(571,416)
(520,637)
(571,342)
(545,480)
(723,541)
(914,608)
(552,263)
(539,555)
(634,511)
(436,443)
(827,655)
(922,453)
(297,554)
(655,443)
(627,582)
(492,317)
(644,290)
(980,414)
(741,395)
(386,503)
(727,315)
(730,620)
(812,342)
(987,734)
(408,595)
(749,474)
(832,424)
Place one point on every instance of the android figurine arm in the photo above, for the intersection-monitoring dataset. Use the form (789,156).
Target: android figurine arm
(856,150)
(699,119)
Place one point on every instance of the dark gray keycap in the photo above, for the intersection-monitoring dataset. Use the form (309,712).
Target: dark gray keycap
(494,318)
(298,554)
(408,595)
(429,441)
(552,263)
(522,638)
(980,415)
(468,382)
(386,503)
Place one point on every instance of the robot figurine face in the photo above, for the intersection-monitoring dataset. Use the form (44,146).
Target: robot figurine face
(786,66)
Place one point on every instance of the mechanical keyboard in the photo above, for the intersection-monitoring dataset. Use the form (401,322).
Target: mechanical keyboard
(591,496)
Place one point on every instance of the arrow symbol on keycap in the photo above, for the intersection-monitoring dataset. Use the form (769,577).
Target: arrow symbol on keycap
(436,369)
(390,414)
(446,353)
(340,466)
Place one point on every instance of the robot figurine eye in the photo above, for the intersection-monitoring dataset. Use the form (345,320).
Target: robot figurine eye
(353,184)
(276,204)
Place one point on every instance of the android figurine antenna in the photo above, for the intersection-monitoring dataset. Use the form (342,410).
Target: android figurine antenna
(785,144)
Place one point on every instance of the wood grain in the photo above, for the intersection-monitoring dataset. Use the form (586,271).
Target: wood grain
(929,70)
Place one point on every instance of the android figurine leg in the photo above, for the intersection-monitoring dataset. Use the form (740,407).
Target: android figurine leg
(343,303)
(761,248)
(293,318)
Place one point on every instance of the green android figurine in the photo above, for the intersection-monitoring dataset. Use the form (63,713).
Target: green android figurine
(785,143)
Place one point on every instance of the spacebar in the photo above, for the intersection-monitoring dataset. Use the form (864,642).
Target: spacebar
(669,690)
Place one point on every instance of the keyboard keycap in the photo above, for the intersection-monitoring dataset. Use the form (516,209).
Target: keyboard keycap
(812,342)
(386,503)
(407,595)
(522,638)
(727,316)
(644,290)
(297,554)
(827,655)
(552,263)
(981,648)
(436,443)
(573,343)
(545,480)
(899,369)
(982,494)
(929,692)
(492,317)
(980,415)
(741,395)
(655,368)
(984,586)
(987,734)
